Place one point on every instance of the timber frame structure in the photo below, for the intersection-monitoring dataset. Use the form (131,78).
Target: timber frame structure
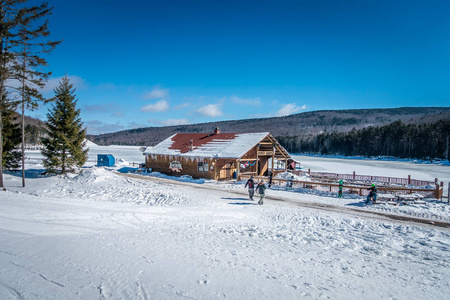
(218,156)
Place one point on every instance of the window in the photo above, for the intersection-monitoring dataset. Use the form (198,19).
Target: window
(203,166)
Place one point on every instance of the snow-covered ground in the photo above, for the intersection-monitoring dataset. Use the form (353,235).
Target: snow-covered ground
(103,235)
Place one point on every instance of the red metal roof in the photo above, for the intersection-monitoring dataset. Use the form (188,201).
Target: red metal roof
(182,141)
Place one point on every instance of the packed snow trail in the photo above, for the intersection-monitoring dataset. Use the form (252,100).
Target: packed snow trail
(320,206)
(104,236)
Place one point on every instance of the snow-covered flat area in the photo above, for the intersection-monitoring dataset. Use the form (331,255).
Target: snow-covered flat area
(389,168)
(105,235)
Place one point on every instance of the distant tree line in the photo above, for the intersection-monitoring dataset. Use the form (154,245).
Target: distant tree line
(395,139)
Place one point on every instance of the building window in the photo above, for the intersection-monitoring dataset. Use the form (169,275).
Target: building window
(203,166)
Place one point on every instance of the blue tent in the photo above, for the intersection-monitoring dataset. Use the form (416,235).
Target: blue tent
(105,160)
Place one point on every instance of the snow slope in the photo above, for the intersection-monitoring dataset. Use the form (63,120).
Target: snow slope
(103,235)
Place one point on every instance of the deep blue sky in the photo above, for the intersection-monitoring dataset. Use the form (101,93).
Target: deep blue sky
(156,63)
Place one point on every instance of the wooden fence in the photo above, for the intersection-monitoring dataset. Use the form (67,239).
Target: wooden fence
(361,190)
(366,178)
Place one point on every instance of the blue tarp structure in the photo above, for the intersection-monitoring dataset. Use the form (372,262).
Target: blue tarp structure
(105,160)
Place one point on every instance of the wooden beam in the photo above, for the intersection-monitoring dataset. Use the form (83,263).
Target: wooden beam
(276,145)
(257,159)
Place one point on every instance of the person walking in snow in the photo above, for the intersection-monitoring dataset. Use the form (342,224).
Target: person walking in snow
(372,193)
(341,183)
(262,191)
(251,187)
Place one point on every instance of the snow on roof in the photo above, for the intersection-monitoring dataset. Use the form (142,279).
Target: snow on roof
(223,145)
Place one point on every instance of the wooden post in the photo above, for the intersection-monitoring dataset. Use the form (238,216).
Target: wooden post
(354,175)
(257,160)
(238,161)
(309,172)
(409,179)
(273,158)
(215,169)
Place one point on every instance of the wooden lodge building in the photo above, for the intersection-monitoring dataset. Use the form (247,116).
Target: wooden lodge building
(217,155)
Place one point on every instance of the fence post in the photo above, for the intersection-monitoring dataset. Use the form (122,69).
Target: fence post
(354,175)
(409,179)
(309,172)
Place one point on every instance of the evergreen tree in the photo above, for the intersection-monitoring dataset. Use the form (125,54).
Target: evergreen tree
(29,60)
(21,46)
(63,148)
(11,155)
(8,34)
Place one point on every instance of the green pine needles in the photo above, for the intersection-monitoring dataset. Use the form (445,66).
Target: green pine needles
(11,156)
(63,148)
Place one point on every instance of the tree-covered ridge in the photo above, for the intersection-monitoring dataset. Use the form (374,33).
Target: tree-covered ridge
(304,125)
(396,139)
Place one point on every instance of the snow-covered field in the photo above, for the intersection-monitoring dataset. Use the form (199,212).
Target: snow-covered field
(103,235)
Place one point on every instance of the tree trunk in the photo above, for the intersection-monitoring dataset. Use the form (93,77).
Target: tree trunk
(23,143)
(2,79)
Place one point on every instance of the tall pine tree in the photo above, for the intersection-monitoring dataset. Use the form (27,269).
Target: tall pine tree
(63,148)
(8,23)
(29,61)
(11,132)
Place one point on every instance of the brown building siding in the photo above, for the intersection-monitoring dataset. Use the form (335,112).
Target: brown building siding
(161,163)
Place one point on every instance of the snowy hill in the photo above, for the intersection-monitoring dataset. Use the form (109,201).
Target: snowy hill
(103,235)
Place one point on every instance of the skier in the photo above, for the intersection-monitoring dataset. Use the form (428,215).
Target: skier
(372,194)
(251,187)
(262,191)
(340,188)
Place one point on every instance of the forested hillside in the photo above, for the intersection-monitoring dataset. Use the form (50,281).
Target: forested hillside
(303,125)
(404,132)
(396,139)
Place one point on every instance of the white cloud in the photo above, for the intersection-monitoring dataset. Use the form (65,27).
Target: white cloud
(249,101)
(289,109)
(183,105)
(211,110)
(171,122)
(157,93)
(161,105)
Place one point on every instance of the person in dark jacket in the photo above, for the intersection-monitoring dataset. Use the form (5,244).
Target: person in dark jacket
(262,191)
(270,178)
(251,187)
(372,193)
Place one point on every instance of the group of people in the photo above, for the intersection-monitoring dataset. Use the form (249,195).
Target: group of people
(261,187)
